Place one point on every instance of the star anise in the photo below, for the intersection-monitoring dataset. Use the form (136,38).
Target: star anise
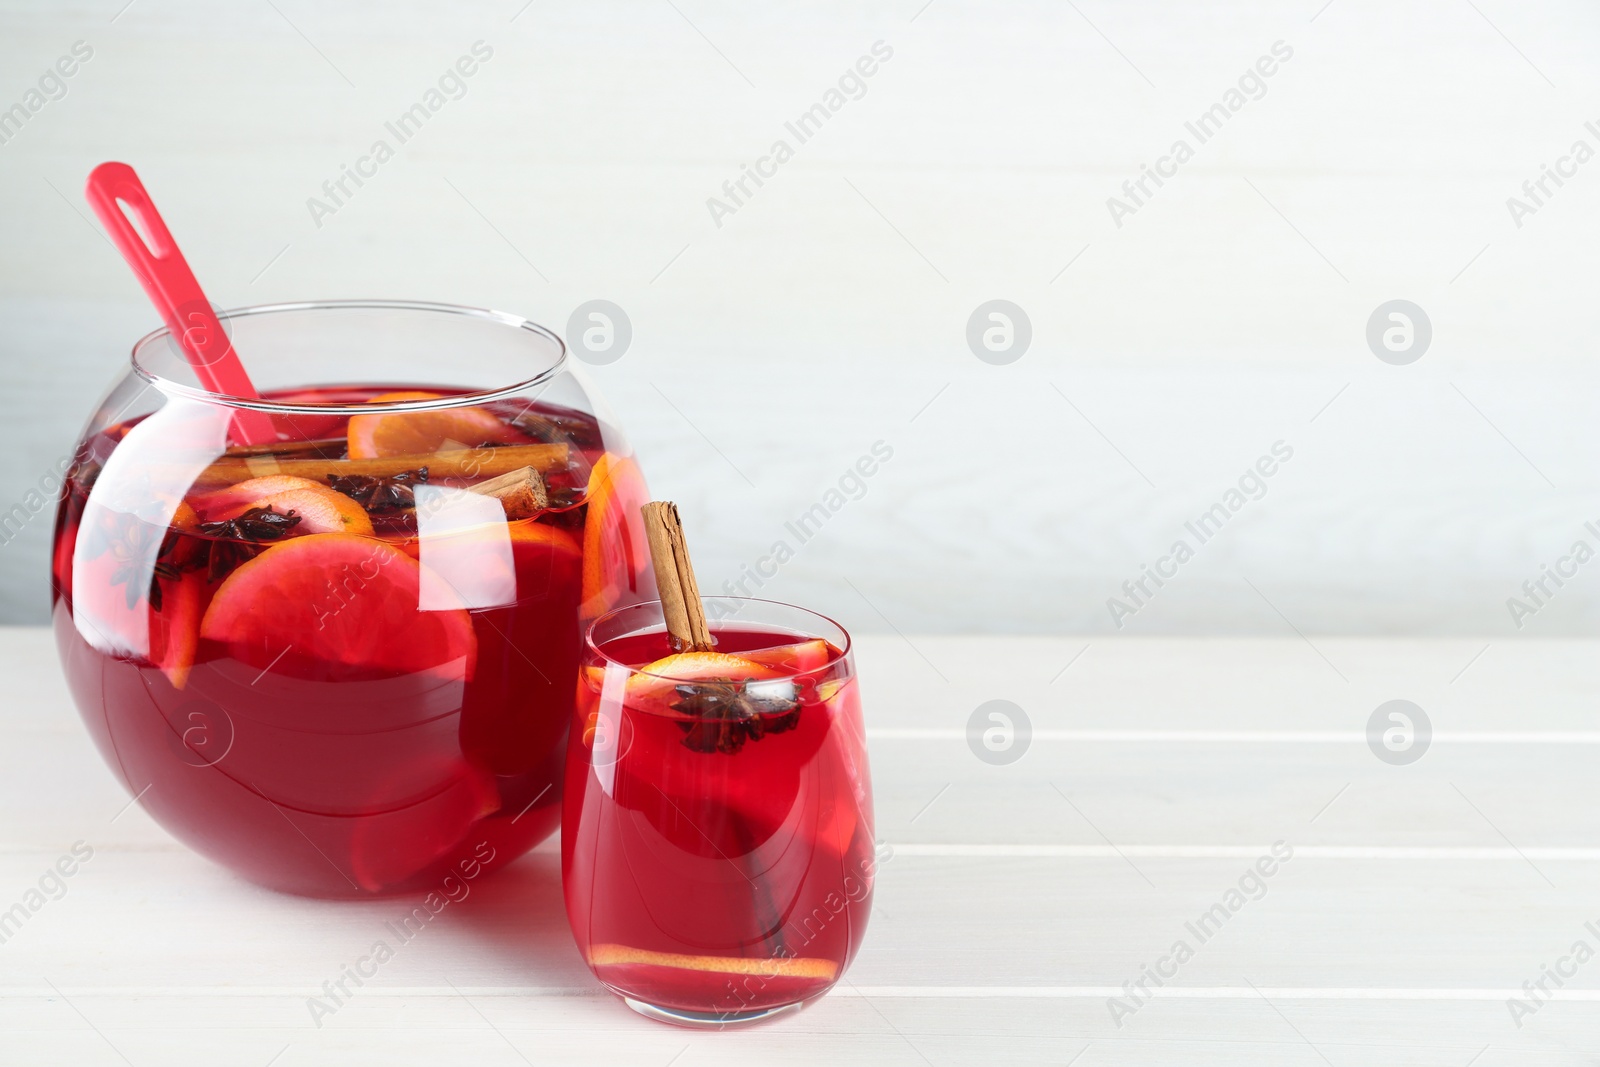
(554,428)
(378,494)
(130,540)
(238,539)
(727,714)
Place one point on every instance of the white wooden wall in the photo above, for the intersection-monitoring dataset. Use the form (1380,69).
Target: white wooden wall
(829,310)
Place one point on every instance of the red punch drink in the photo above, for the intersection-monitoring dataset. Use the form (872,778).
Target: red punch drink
(717,842)
(343,662)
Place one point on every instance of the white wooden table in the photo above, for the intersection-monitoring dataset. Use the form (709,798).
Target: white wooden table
(1018,899)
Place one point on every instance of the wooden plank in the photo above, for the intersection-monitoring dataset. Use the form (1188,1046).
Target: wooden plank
(1143,790)
(1035,944)
(896,1032)
(959,922)
(1017,900)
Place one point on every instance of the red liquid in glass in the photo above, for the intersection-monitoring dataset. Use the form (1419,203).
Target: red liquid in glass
(356,733)
(713,879)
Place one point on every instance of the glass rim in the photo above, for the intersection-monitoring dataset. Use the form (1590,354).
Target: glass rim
(190,392)
(844,649)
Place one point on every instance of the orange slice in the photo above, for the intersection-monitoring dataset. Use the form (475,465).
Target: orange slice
(532,532)
(167,639)
(700,666)
(473,560)
(616,556)
(407,433)
(342,601)
(655,687)
(112,591)
(528,638)
(797,658)
(780,967)
(523,532)
(175,629)
(321,510)
(228,503)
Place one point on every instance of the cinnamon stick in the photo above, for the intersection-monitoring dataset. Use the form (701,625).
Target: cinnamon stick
(320,445)
(521,492)
(680,595)
(455,463)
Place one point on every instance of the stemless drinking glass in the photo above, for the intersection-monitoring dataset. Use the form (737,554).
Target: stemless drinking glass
(717,845)
(342,661)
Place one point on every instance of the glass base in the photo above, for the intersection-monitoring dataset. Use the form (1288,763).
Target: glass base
(711,1020)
